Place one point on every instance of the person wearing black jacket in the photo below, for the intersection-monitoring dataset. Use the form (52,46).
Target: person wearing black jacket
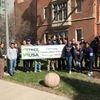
(89,58)
(18,56)
(93,45)
(73,60)
(61,61)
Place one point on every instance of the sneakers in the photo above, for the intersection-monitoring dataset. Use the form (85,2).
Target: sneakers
(69,72)
(35,71)
(27,71)
(90,73)
(39,70)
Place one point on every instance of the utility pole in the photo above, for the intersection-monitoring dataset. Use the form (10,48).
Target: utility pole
(7,31)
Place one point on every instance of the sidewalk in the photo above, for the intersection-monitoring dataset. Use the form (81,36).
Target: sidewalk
(13,91)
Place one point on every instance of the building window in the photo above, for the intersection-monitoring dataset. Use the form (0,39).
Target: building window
(55,13)
(78,34)
(78,5)
(65,10)
(60,11)
(46,12)
(61,35)
(2,4)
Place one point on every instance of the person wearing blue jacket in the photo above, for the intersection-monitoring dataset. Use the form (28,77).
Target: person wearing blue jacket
(89,57)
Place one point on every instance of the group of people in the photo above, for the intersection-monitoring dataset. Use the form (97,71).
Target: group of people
(13,55)
(83,55)
(78,55)
(74,55)
(28,63)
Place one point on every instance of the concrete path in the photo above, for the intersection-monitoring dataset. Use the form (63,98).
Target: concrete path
(13,91)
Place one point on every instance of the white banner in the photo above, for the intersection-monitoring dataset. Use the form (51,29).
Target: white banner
(39,52)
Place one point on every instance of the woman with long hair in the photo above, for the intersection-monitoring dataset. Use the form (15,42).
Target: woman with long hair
(68,55)
(89,57)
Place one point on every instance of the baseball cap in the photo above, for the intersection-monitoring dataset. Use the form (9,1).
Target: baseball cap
(28,39)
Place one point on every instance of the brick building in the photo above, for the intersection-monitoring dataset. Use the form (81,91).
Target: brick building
(63,19)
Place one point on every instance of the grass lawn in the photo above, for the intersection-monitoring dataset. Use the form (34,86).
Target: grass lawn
(77,86)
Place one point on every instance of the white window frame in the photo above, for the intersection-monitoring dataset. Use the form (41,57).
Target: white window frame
(76,34)
(58,31)
(58,19)
(44,12)
(76,11)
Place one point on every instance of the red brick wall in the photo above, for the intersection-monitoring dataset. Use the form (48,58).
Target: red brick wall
(87,9)
(27,11)
(43,24)
(87,29)
(89,26)
(98,17)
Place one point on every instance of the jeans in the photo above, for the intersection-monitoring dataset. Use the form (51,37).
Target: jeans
(37,65)
(12,65)
(69,62)
(78,64)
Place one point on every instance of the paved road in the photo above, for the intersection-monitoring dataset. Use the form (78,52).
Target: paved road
(13,91)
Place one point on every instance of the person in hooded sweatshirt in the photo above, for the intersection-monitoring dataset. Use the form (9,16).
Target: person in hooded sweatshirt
(12,57)
(68,52)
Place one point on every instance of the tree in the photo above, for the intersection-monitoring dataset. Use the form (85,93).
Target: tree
(2,29)
(22,28)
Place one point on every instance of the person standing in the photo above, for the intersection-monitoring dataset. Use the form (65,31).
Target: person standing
(89,57)
(68,55)
(37,62)
(98,50)
(61,61)
(49,61)
(12,57)
(73,60)
(82,41)
(29,63)
(54,60)
(2,58)
(18,56)
(65,41)
(24,61)
(78,57)
(93,45)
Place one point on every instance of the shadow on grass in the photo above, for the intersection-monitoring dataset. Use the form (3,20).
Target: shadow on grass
(83,90)
(21,68)
(42,83)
